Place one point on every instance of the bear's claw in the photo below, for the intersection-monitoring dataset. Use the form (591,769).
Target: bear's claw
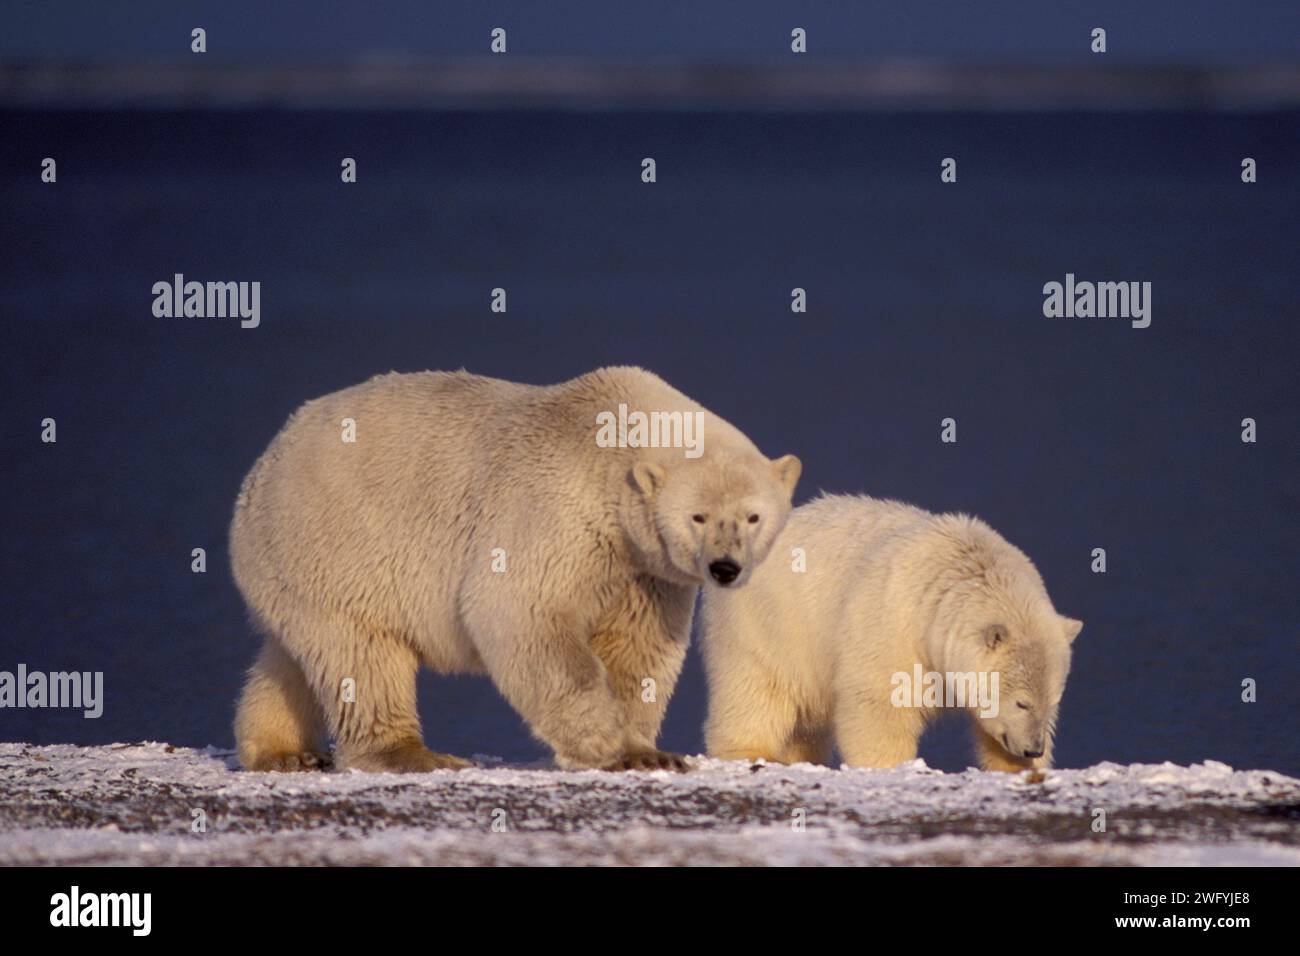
(651,760)
(307,760)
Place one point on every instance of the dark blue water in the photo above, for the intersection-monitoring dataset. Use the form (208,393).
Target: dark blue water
(1172,30)
(925,302)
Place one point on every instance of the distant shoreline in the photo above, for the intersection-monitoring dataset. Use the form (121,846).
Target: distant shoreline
(522,83)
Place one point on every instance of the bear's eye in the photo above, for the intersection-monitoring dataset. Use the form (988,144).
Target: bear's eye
(1022,705)
(753,519)
(698,519)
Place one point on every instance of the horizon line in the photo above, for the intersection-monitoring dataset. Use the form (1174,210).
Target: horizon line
(527,83)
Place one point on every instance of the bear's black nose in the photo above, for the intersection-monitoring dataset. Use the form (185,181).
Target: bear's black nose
(1033,754)
(724,571)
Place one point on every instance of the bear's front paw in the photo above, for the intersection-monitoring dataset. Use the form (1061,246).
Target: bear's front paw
(305,760)
(410,757)
(650,760)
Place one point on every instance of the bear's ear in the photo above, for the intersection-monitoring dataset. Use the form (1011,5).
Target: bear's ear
(787,470)
(649,477)
(1071,627)
(994,635)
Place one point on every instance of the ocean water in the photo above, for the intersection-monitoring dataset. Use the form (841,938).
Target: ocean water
(925,302)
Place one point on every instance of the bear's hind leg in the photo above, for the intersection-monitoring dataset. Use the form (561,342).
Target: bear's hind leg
(373,717)
(808,745)
(751,715)
(278,723)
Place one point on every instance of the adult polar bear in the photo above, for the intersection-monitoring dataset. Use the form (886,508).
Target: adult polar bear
(798,662)
(477,526)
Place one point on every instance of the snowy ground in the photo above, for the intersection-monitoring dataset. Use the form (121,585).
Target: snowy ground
(136,804)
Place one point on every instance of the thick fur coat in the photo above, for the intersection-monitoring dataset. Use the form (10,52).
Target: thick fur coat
(478,526)
(807,658)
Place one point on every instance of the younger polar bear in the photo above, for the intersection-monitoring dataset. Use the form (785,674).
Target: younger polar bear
(544,536)
(798,662)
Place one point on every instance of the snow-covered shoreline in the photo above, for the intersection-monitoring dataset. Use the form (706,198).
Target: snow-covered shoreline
(140,804)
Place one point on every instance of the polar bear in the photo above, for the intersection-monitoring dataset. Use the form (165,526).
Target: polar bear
(869,618)
(473,525)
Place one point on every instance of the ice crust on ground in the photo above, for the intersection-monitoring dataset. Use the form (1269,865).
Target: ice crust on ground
(139,803)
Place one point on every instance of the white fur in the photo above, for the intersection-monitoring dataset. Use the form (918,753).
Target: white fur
(367,560)
(800,662)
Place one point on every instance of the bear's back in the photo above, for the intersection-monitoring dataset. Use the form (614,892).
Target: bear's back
(827,569)
(404,495)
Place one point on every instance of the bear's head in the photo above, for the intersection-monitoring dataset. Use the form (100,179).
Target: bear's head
(1001,621)
(708,520)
